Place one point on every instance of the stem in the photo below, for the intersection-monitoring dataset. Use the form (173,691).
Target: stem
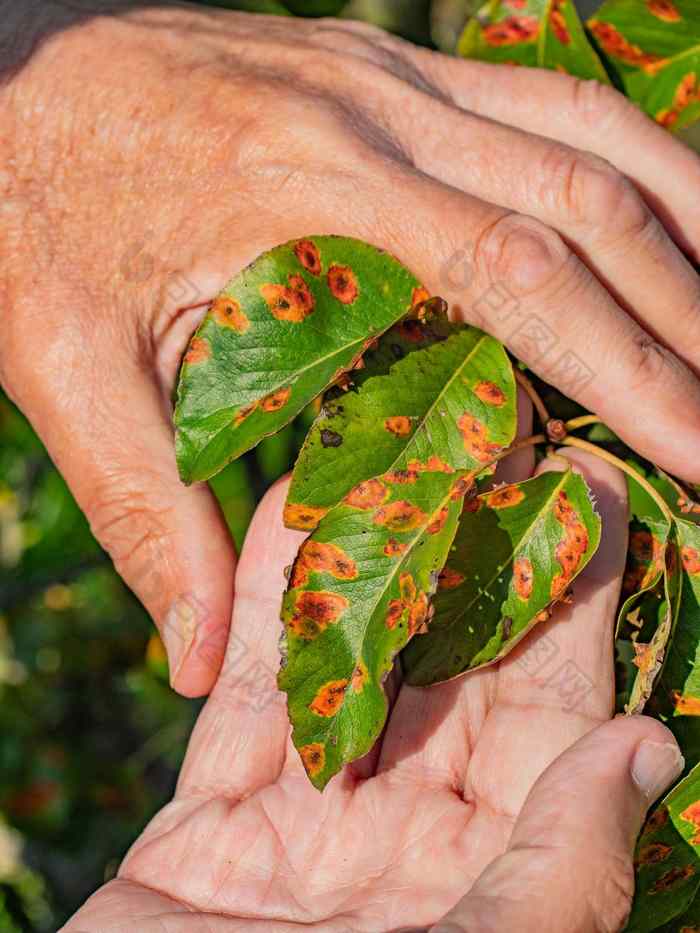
(581,422)
(533,395)
(625,467)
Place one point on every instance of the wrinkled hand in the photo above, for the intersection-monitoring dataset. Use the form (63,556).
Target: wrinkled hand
(509,784)
(146,156)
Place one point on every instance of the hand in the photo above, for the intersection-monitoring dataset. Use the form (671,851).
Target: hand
(146,156)
(508,784)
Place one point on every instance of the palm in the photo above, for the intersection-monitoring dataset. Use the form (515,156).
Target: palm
(400,836)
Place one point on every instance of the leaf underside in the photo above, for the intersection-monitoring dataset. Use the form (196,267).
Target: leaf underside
(281,331)
(541,533)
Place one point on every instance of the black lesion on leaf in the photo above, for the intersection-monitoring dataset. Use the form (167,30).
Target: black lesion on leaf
(331,438)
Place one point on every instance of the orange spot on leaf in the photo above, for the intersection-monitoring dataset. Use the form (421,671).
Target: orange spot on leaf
(475,436)
(394,548)
(227,312)
(686,705)
(399,425)
(276,400)
(360,676)
(672,878)
(322,558)
(505,497)
(199,351)
(615,44)
(303,517)
(449,579)
(690,560)
(308,255)
(400,516)
(315,611)
(523,576)
(293,302)
(490,394)
(329,698)
(652,854)
(439,522)
(343,284)
(664,10)
(244,413)
(511,31)
(313,757)
(394,612)
(367,495)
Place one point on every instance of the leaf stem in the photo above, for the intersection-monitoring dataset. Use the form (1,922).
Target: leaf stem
(581,422)
(534,396)
(625,467)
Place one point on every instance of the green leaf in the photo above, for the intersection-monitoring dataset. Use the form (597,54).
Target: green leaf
(667,859)
(439,398)
(516,552)
(538,33)
(281,331)
(653,48)
(358,590)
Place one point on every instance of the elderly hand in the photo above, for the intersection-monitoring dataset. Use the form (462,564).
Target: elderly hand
(150,150)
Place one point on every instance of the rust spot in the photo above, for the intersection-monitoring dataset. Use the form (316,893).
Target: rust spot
(645,658)
(449,579)
(308,255)
(473,504)
(505,497)
(399,425)
(558,22)
(418,614)
(439,522)
(343,284)
(672,878)
(523,576)
(276,400)
(511,31)
(329,698)
(227,312)
(691,815)
(360,676)
(319,557)
(407,588)
(475,436)
(303,517)
(400,516)
(315,611)
(394,548)
(664,10)
(656,821)
(460,488)
(686,705)
(652,854)
(615,44)
(572,547)
(690,560)
(331,438)
(490,394)
(435,465)
(293,302)
(244,412)
(367,495)
(199,351)
(401,476)
(419,296)
(313,757)
(394,613)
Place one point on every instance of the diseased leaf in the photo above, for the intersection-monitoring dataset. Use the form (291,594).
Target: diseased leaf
(445,402)
(667,859)
(536,33)
(358,590)
(653,46)
(517,550)
(282,330)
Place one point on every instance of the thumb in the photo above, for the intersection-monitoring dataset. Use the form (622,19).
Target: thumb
(568,867)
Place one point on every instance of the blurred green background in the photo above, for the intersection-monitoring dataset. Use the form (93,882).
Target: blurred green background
(92,735)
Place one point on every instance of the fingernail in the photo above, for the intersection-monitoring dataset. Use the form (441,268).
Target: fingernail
(655,766)
(179,634)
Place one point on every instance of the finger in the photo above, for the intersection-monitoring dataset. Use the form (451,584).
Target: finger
(527,288)
(589,116)
(568,868)
(595,207)
(225,750)
(107,430)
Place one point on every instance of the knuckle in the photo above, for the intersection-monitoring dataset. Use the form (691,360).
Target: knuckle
(522,253)
(647,360)
(614,891)
(588,189)
(596,104)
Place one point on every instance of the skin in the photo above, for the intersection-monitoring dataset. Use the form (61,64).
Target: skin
(497,801)
(181,142)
